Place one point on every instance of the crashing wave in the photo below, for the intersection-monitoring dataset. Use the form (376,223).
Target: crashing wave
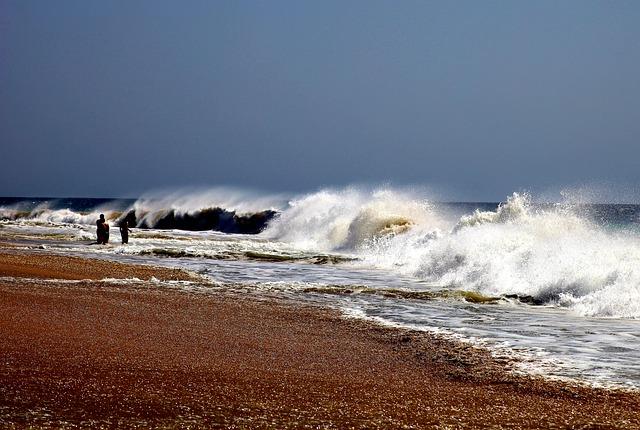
(517,207)
(552,255)
(215,219)
(349,219)
(218,210)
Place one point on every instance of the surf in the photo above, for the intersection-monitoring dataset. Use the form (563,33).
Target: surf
(554,255)
(572,255)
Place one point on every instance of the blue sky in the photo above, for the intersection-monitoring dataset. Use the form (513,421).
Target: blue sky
(478,98)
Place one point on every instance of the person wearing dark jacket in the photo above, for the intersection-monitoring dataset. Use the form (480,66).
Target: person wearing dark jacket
(124,231)
(102,230)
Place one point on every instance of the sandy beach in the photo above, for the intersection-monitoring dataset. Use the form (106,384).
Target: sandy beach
(93,353)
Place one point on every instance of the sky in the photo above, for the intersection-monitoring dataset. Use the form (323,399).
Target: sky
(481,98)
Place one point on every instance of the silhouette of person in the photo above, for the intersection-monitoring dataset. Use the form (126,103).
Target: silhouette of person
(102,230)
(124,231)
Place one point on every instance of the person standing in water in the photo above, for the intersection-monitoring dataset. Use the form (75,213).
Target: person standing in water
(102,230)
(124,231)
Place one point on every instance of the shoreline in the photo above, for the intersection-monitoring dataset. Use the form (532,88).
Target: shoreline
(92,353)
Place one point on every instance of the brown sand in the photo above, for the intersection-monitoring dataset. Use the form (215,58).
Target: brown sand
(32,264)
(93,354)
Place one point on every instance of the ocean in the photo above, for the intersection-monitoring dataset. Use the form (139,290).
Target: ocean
(551,288)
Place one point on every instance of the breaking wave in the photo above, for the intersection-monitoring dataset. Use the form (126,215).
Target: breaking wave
(560,254)
(224,209)
(349,219)
(553,255)
(582,257)
(221,209)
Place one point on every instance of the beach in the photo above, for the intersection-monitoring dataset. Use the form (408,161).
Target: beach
(80,351)
(320,215)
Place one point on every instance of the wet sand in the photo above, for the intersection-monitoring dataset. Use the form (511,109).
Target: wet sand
(34,264)
(92,353)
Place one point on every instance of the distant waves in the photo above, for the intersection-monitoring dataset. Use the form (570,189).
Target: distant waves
(81,211)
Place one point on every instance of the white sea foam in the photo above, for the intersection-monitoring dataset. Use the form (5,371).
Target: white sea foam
(67,216)
(553,255)
(45,213)
(154,205)
(184,201)
(348,219)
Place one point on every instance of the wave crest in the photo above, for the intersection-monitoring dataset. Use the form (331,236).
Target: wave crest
(517,207)
(349,219)
(552,254)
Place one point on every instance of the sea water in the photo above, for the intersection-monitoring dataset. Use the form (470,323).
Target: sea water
(553,288)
